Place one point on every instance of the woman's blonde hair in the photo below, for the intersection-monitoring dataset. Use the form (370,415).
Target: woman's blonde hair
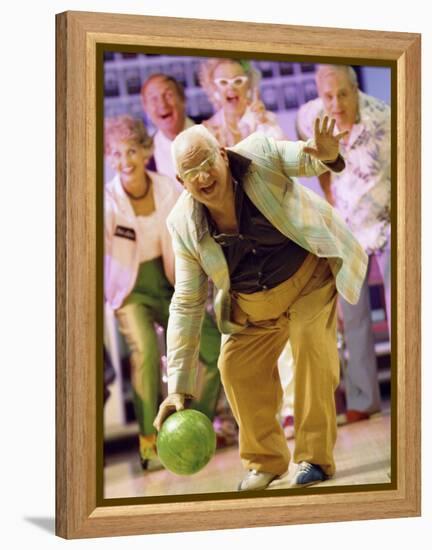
(124,127)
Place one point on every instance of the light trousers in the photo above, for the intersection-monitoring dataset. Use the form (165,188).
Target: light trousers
(303,310)
(361,375)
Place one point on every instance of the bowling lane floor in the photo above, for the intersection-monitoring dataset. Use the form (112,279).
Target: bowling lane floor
(362,456)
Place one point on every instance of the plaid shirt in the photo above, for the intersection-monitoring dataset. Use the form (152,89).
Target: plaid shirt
(293,209)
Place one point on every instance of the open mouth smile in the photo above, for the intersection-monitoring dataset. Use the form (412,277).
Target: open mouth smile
(166,116)
(208,188)
(232,99)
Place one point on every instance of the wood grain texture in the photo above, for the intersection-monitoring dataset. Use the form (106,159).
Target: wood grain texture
(77,513)
(409,284)
(61,255)
(250,37)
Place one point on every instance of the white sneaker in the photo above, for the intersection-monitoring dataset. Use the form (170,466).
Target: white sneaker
(256,480)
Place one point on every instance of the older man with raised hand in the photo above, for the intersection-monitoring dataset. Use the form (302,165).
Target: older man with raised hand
(163,100)
(277,254)
(361,193)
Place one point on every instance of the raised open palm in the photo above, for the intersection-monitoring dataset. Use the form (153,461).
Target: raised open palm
(326,143)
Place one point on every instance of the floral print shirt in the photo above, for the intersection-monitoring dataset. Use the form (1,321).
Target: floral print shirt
(362,191)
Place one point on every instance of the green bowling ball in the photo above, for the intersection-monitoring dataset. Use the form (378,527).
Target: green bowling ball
(186,442)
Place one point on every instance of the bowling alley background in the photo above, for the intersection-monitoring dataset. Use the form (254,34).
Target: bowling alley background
(284,87)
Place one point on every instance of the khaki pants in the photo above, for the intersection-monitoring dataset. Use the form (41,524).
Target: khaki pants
(302,309)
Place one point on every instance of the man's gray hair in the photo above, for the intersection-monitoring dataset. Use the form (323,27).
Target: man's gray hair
(347,69)
(188,136)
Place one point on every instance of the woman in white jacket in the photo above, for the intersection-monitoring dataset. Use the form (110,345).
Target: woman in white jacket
(139,272)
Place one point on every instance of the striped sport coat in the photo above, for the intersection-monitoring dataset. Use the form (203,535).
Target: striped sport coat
(293,209)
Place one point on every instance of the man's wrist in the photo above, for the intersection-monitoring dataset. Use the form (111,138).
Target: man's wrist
(336,165)
(330,161)
(181,395)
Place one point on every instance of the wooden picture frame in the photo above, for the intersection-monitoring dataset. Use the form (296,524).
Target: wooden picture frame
(79,512)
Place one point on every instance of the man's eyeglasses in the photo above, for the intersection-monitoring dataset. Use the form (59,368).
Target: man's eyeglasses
(235,82)
(191,175)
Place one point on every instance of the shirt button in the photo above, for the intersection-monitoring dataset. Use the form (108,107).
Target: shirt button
(241,237)
(264,287)
(259,273)
(254,251)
